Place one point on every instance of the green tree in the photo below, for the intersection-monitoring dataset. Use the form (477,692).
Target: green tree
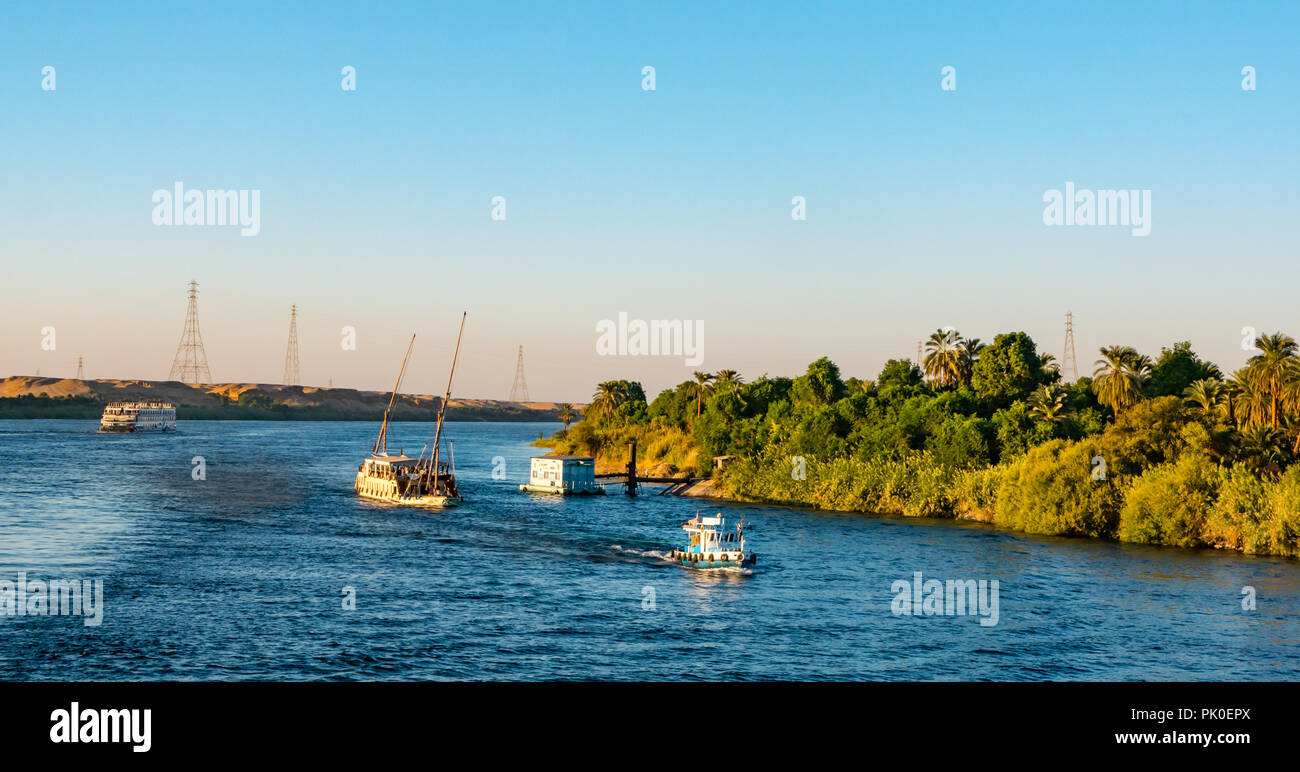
(1274,369)
(727,381)
(970,350)
(1208,394)
(566,413)
(1263,450)
(1119,376)
(1047,403)
(820,385)
(1007,370)
(943,358)
(899,373)
(1176,369)
(702,389)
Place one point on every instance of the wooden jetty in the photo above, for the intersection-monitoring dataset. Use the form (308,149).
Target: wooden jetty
(633,480)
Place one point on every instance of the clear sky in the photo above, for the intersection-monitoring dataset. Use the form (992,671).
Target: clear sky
(924,206)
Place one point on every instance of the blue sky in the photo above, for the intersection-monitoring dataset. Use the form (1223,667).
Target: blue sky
(924,206)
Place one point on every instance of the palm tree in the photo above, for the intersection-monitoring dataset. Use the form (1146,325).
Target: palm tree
(1247,403)
(1209,395)
(701,389)
(969,354)
(1291,405)
(1274,368)
(1050,366)
(566,414)
(1262,449)
(609,395)
(1119,376)
(942,361)
(727,381)
(1047,403)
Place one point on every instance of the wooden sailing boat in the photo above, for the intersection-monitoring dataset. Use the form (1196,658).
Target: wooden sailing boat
(400,479)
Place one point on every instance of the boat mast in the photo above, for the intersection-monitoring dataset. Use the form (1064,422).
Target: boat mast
(381,444)
(442,409)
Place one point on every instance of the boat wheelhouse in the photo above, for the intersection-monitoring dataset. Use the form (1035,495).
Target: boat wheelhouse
(423,481)
(129,417)
(569,475)
(711,546)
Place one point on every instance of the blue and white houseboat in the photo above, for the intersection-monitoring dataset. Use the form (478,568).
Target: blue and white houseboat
(566,475)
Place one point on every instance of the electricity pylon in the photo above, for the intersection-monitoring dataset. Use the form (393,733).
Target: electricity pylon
(519,389)
(292,377)
(1068,358)
(191,363)
(80,368)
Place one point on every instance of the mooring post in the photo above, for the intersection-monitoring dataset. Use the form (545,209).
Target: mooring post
(631,468)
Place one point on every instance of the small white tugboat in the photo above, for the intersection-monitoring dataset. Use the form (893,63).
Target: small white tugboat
(129,417)
(414,482)
(711,546)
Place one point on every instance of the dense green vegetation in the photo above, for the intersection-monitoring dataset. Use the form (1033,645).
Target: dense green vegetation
(1165,451)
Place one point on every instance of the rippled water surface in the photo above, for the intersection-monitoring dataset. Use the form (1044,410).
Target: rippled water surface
(240,576)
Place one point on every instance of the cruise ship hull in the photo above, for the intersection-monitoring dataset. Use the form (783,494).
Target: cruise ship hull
(123,428)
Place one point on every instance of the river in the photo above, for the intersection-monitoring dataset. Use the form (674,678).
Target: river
(244,574)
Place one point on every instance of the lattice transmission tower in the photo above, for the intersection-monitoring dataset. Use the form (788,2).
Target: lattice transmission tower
(292,377)
(1068,357)
(191,363)
(81,372)
(519,389)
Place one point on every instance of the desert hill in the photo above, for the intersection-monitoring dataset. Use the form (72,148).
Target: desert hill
(237,400)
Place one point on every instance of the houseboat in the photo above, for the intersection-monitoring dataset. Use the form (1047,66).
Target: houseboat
(127,417)
(428,480)
(566,475)
(711,546)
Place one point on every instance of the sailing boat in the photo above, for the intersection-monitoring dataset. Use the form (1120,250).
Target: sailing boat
(400,479)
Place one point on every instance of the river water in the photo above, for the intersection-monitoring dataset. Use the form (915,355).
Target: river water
(242,575)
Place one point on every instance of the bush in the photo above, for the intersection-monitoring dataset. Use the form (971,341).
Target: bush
(1168,504)
(1051,491)
(1256,516)
(1236,520)
(975,491)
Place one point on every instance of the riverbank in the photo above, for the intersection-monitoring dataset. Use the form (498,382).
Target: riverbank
(1189,504)
(36,397)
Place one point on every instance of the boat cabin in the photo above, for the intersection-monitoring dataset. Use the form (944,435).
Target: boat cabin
(563,474)
(388,466)
(707,535)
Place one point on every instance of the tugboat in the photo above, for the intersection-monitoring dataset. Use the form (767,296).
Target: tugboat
(130,417)
(400,479)
(710,545)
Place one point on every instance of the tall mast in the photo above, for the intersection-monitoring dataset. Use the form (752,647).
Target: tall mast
(381,444)
(442,409)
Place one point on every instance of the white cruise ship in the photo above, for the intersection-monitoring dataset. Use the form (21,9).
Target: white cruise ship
(127,417)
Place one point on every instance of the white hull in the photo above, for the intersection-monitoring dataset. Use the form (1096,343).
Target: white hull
(131,417)
(385,490)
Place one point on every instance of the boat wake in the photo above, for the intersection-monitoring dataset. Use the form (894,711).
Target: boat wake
(649,554)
